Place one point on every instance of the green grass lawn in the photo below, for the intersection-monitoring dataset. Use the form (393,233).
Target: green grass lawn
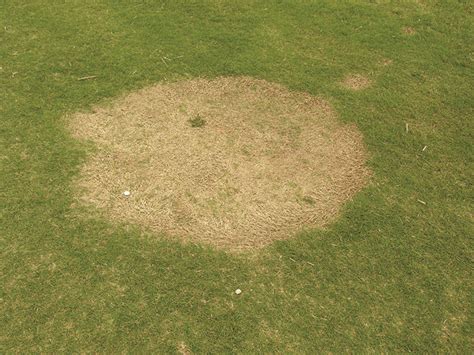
(391,275)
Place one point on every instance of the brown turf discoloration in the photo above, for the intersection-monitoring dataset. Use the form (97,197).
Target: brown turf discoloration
(386,62)
(356,82)
(409,31)
(231,162)
(183,349)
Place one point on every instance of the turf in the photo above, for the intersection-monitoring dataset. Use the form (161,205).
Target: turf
(392,275)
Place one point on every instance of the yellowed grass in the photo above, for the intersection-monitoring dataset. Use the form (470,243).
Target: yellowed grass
(262,163)
(356,82)
(183,349)
(410,31)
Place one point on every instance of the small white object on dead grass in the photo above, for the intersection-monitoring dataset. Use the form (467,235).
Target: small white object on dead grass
(233,162)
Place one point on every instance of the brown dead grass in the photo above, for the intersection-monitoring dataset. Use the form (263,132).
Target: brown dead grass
(266,163)
(385,62)
(183,349)
(356,82)
(409,31)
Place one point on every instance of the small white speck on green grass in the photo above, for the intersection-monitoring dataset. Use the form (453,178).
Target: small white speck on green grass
(238,291)
(126,193)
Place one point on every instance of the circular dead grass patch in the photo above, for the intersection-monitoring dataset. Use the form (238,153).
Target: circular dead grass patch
(232,162)
(356,82)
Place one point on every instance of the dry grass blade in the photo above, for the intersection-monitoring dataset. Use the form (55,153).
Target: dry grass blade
(90,77)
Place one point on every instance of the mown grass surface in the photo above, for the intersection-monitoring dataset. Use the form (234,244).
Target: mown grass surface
(392,274)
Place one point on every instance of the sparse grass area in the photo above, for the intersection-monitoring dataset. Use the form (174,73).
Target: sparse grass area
(392,275)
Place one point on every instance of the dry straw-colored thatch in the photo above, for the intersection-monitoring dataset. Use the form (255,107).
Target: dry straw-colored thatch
(232,162)
(356,82)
